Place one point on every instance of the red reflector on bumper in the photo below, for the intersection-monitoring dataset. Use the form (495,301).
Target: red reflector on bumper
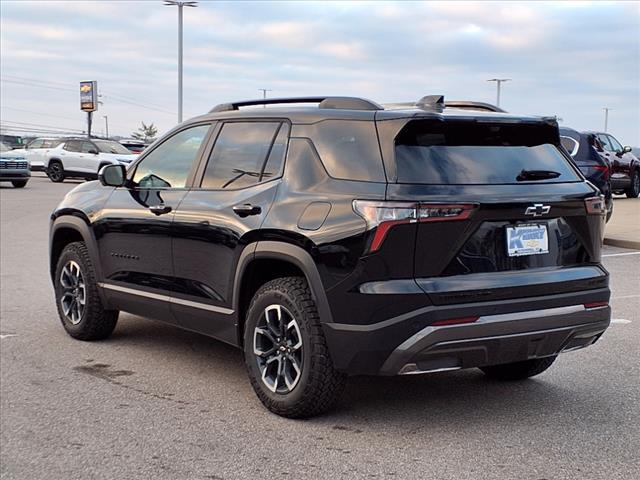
(596,304)
(454,321)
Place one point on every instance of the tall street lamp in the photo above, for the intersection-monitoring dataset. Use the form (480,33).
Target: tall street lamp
(180,4)
(606,118)
(106,124)
(498,82)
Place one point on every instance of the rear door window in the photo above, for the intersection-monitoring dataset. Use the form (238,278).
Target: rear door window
(604,140)
(246,153)
(468,153)
(73,146)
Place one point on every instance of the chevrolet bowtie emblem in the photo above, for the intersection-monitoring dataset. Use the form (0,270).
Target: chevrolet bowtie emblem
(537,210)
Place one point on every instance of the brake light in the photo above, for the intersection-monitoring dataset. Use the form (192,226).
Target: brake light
(454,321)
(595,205)
(383,216)
(602,168)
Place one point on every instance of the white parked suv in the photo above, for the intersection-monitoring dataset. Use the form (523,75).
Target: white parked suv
(83,158)
(37,151)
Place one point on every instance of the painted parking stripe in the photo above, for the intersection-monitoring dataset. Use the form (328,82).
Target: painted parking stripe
(625,296)
(7,335)
(620,321)
(620,254)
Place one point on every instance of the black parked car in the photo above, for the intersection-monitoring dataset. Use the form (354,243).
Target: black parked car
(584,149)
(343,239)
(625,166)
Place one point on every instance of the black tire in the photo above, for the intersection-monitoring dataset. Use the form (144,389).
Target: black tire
(19,183)
(92,321)
(317,385)
(634,190)
(55,171)
(518,370)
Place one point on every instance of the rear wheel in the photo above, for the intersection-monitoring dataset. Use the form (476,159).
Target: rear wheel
(79,306)
(634,190)
(19,183)
(55,171)
(286,353)
(518,370)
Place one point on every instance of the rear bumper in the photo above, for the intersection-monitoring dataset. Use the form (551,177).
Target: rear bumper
(506,331)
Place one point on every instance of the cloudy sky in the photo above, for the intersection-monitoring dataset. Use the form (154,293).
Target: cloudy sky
(569,59)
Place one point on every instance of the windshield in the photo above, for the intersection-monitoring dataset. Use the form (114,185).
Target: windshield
(106,146)
(454,153)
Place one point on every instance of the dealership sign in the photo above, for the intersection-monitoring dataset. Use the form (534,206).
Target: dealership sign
(89,96)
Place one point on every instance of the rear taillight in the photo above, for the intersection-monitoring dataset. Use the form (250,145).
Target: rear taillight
(602,168)
(383,216)
(595,205)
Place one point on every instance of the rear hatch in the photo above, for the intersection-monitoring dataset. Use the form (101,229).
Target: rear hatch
(501,212)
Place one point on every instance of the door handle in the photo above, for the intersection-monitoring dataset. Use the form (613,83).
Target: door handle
(246,210)
(160,209)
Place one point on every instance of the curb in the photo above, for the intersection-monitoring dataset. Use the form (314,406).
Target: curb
(617,242)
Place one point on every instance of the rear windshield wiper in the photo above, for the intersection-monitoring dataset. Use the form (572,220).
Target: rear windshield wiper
(536,175)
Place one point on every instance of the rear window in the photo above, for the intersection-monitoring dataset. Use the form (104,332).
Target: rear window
(458,153)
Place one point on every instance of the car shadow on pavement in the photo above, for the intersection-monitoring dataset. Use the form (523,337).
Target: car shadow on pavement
(421,399)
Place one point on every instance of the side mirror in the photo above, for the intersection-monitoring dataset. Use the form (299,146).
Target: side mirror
(112,175)
(93,150)
(626,149)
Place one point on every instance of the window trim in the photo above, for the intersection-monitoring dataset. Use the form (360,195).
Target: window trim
(189,182)
(199,177)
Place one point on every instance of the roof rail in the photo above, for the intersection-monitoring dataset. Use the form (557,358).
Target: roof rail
(346,103)
(470,105)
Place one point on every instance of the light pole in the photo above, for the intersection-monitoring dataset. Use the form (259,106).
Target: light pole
(106,125)
(498,83)
(606,118)
(180,4)
(264,94)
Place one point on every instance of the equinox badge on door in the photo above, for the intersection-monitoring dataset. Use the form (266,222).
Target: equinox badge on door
(537,210)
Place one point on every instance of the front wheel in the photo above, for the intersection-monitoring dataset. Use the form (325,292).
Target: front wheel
(19,183)
(79,306)
(286,353)
(518,370)
(634,190)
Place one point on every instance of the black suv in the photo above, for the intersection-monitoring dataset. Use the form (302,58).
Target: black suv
(625,167)
(343,238)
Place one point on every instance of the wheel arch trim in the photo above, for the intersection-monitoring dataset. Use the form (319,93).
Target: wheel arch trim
(78,222)
(288,253)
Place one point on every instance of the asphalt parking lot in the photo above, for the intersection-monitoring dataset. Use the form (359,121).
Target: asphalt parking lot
(157,402)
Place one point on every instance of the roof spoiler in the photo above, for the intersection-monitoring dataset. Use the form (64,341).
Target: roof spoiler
(345,103)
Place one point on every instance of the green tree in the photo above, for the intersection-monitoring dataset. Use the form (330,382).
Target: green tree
(146,133)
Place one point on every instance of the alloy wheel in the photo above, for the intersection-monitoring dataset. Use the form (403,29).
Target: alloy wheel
(55,171)
(277,345)
(74,293)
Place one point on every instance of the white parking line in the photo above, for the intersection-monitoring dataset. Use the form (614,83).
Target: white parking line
(620,254)
(625,296)
(621,321)
(7,335)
